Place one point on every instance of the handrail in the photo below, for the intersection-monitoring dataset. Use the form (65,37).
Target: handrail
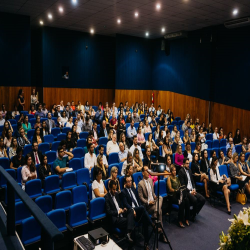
(50,232)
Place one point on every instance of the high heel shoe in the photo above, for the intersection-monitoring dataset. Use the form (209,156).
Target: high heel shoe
(187,223)
(229,212)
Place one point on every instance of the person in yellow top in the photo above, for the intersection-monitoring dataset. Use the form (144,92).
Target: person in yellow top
(140,110)
(191,124)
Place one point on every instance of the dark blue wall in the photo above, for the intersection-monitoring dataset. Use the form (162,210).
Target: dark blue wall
(15,49)
(133,62)
(88,68)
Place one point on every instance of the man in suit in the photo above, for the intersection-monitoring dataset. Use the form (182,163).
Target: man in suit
(149,199)
(186,179)
(131,201)
(104,130)
(119,216)
(36,155)
(50,123)
(57,112)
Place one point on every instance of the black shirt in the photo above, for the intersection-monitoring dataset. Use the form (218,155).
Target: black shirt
(17,163)
(43,172)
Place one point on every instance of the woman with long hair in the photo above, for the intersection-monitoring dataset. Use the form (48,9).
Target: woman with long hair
(64,118)
(3,152)
(222,182)
(8,139)
(98,187)
(245,145)
(121,127)
(186,138)
(38,136)
(245,171)
(44,130)
(237,137)
(157,131)
(205,165)
(38,122)
(188,152)
(75,135)
(34,98)
(129,160)
(22,140)
(193,136)
(166,148)
(113,176)
(26,125)
(44,168)
(137,160)
(125,142)
(179,157)
(7,126)
(28,171)
(69,123)
(21,101)
(32,110)
(100,165)
(153,147)
(13,147)
(140,138)
(70,143)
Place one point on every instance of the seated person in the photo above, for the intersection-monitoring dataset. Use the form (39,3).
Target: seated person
(104,158)
(90,158)
(230,144)
(118,215)
(70,142)
(98,187)
(132,202)
(197,174)
(28,171)
(38,136)
(22,140)
(122,154)
(179,156)
(13,147)
(134,146)
(112,146)
(129,171)
(129,160)
(44,168)
(36,154)
(173,184)
(17,160)
(149,199)
(113,176)
(137,160)
(222,182)
(153,147)
(3,152)
(100,165)
(60,164)
(205,164)
(186,179)
(26,125)
(244,170)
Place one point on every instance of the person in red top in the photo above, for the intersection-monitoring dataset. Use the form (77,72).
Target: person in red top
(73,107)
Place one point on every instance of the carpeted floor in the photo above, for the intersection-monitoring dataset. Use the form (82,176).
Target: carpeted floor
(201,234)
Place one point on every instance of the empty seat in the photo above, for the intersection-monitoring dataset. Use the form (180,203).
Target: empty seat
(81,143)
(97,209)
(55,132)
(55,145)
(113,158)
(5,162)
(21,212)
(75,164)
(66,130)
(238,148)
(30,133)
(63,200)
(223,142)
(79,194)
(82,176)
(45,203)
(27,149)
(84,135)
(51,156)
(33,188)
(216,144)
(162,188)
(44,147)
(58,217)
(61,137)
(51,184)
(3,181)
(137,177)
(49,138)
(12,121)
(209,137)
(209,144)
(68,180)
(78,152)
(103,141)
(121,181)
(78,215)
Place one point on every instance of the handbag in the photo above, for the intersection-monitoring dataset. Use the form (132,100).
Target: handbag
(241,197)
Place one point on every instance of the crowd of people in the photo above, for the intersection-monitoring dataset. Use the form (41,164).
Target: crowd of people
(139,141)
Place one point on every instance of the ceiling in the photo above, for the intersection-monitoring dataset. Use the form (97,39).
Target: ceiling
(102,15)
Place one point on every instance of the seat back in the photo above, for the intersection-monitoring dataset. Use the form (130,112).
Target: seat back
(223,142)
(113,158)
(238,148)
(121,181)
(68,180)
(146,136)
(61,137)
(97,209)
(27,148)
(137,177)
(216,144)
(162,188)
(120,168)
(84,135)
(223,170)
(224,150)
(31,231)
(81,143)
(55,132)
(79,194)
(19,175)
(51,184)
(103,141)
(30,133)
(5,162)
(75,164)
(170,127)
(78,214)
(3,181)
(63,200)
(192,146)
(55,145)
(58,217)
(45,203)
(49,138)
(44,147)
(51,156)
(209,137)
(78,152)
(209,144)
(33,188)
(21,212)
(82,175)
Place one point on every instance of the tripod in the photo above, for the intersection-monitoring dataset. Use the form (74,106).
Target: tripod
(158,223)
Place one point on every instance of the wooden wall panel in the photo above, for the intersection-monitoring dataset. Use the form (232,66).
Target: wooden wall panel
(93,96)
(8,96)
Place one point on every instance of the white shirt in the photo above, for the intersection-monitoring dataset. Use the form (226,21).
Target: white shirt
(112,147)
(69,125)
(114,110)
(132,193)
(2,122)
(132,149)
(98,185)
(173,134)
(124,166)
(36,154)
(149,190)
(116,205)
(203,138)
(104,159)
(64,120)
(89,161)
(213,176)
(95,134)
(189,185)
(215,136)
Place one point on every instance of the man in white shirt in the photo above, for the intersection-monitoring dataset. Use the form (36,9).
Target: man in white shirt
(131,132)
(215,134)
(94,129)
(184,125)
(114,109)
(134,146)
(152,108)
(112,146)
(80,121)
(90,158)
(2,121)
(122,154)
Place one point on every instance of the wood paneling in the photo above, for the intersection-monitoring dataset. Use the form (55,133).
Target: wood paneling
(8,96)
(93,96)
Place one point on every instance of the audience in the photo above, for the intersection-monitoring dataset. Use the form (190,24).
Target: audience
(7,139)
(131,132)
(230,144)
(137,160)
(245,171)
(204,163)
(104,130)
(70,142)
(179,156)
(188,152)
(3,152)
(98,187)
(18,159)
(125,142)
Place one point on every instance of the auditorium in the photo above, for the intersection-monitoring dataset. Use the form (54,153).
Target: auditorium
(123,125)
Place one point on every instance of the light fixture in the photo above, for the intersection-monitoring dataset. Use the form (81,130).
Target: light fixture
(136,14)
(74,1)
(158,6)
(163,30)
(147,34)
(92,31)
(49,16)
(235,12)
(118,20)
(61,9)
(41,22)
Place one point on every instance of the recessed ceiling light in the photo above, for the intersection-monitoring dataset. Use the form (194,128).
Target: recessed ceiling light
(118,20)
(49,16)
(41,22)
(163,30)
(235,12)
(92,31)
(61,9)
(136,14)
(158,6)
(146,34)
(74,1)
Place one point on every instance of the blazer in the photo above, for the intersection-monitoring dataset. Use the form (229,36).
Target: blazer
(102,134)
(40,155)
(195,168)
(126,198)
(53,125)
(110,205)
(184,179)
(203,165)
(143,193)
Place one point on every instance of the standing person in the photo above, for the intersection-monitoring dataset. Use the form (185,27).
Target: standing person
(186,179)
(174,185)
(21,101)
(34,98)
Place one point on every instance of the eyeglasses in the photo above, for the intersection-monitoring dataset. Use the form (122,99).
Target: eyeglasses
(61,151)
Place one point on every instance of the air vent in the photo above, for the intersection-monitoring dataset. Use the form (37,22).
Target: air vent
(237,23)
(176,35)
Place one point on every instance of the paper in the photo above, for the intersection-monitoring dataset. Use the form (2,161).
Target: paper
(69,169)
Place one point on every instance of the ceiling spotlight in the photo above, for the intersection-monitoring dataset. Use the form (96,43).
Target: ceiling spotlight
(92,31)
(158,6)
(235,12)
(41,22)
(136,14)
(61,9)
(74,1)
(147,34)
(118,20)
(163,30)
(49,16)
